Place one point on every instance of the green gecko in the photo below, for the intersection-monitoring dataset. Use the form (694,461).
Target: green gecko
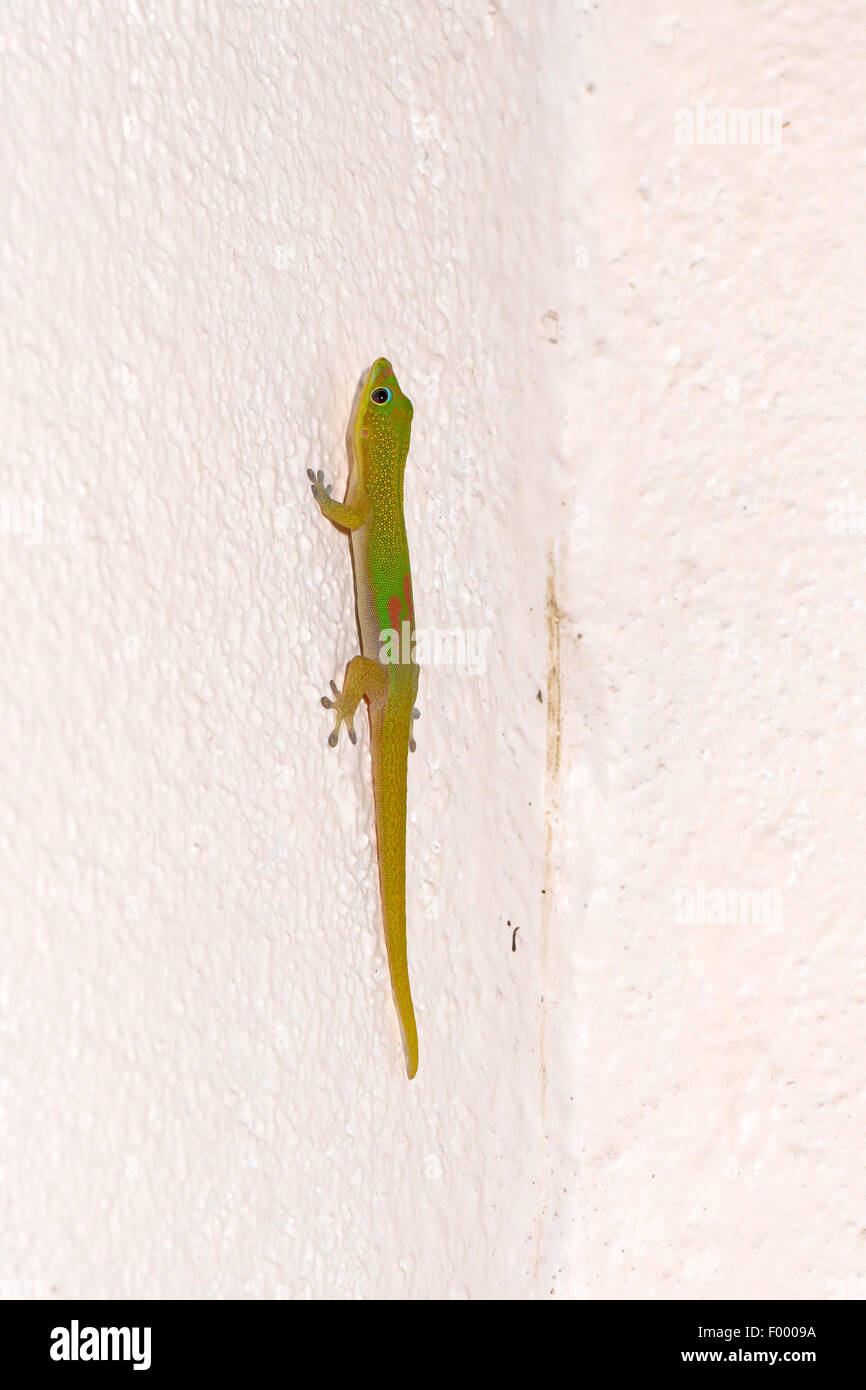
(373,515)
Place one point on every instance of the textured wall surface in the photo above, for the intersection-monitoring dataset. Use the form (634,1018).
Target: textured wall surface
(637,369)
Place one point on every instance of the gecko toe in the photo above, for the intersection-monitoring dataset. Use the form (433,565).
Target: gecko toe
(319,490)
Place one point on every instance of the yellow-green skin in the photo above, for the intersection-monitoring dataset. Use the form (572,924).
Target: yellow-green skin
(373,515)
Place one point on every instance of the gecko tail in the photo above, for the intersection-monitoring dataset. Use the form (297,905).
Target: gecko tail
(398,967)
(406,1015)
(390,748)
(394,904)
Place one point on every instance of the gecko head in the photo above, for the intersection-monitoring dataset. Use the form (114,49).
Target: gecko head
(384,413)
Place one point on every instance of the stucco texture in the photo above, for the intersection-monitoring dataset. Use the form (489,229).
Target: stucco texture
(635,892)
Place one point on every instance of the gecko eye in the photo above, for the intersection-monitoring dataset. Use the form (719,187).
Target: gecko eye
(381,395)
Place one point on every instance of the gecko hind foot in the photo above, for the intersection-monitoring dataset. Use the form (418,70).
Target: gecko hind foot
(337,705)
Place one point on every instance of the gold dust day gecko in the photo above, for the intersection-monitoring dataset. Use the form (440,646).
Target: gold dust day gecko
(373,515)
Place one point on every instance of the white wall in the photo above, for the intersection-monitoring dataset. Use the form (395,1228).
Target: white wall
(637,375)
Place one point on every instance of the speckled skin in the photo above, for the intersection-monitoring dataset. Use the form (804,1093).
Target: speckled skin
(373,514)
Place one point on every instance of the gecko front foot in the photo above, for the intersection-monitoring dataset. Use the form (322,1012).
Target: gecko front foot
(413,747)
(319,491)
(343,716)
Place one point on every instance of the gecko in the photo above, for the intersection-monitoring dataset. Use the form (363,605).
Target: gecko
(373,515)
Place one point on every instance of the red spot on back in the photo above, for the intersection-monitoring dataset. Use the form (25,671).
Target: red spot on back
(407,594)
(395,609)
